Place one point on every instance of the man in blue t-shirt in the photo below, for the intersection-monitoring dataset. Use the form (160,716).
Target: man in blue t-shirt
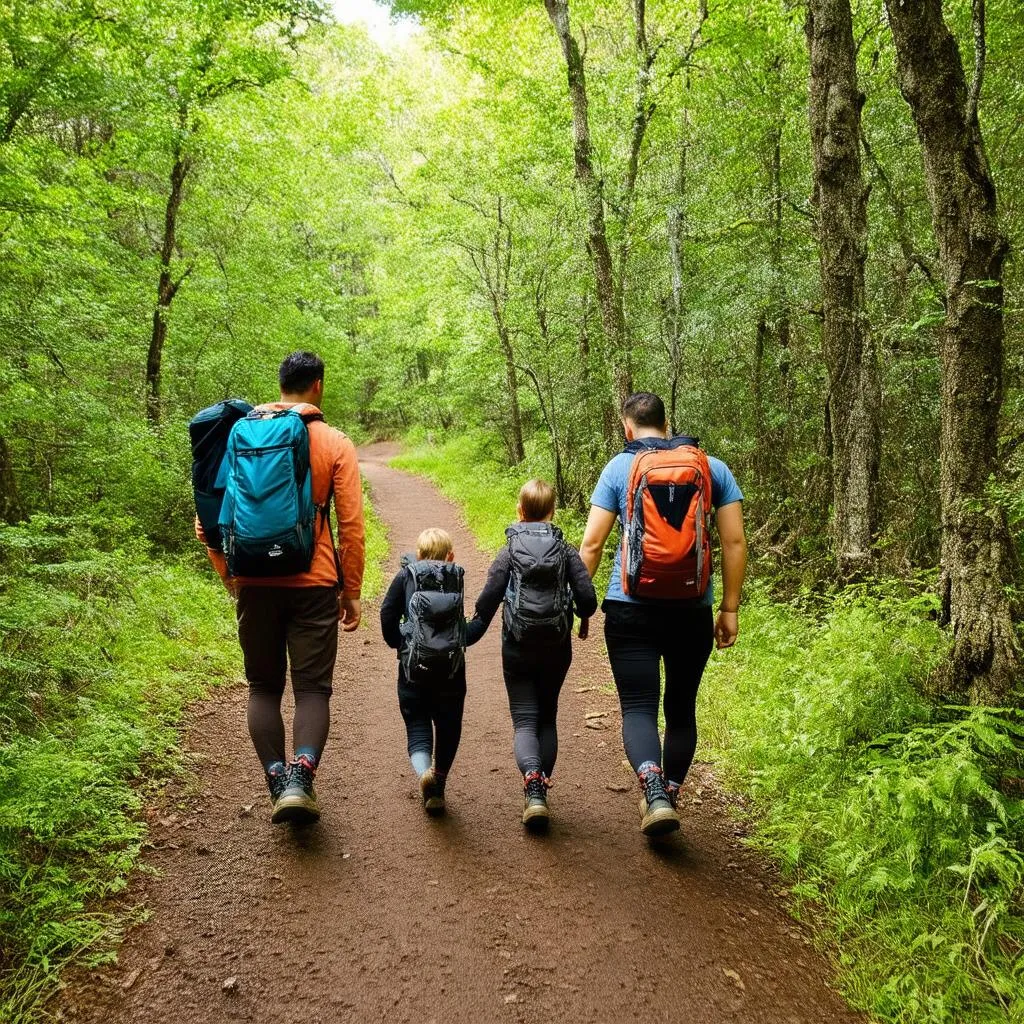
(642,633)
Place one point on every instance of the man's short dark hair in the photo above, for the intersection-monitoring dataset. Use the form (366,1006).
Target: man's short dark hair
(645,410)
(299,372)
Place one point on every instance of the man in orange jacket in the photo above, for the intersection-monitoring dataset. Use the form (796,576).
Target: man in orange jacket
(293,620)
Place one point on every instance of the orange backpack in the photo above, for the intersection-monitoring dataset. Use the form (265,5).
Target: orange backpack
(666,539)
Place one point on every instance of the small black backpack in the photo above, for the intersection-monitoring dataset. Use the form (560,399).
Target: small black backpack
(208,431)
(538,601)
(434,631)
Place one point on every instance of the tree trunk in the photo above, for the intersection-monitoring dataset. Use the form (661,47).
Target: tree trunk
(612,317)
(978,563)
(10,503)
(516,450)
(167,287)
(676,258)
(841,198)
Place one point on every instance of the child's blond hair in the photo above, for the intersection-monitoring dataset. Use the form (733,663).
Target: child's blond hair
(434,544)
(537,500)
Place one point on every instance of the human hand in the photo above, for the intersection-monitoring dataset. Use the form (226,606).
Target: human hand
(584,631)
(350,611)
(727,628)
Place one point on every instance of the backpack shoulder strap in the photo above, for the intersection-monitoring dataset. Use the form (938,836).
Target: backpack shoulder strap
(684,441)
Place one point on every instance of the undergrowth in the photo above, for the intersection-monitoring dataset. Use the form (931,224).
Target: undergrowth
(898,821)
(896,816)
(101,648)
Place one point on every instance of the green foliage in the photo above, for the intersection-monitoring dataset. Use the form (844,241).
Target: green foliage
(101,648)
(900,819)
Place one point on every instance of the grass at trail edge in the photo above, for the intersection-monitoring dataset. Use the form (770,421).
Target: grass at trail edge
(899,821)
(102,647)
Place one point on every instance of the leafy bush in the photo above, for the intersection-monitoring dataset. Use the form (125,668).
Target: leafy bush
(100,650)
(896,816)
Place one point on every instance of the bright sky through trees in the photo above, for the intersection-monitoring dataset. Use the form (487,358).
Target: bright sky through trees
(376,19)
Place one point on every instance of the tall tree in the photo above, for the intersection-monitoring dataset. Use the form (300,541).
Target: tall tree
(978,560)
(231,49)
(609,297)
(841,198)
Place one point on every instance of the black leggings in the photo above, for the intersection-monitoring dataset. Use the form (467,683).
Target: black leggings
(640,637)
(533,679)
(433,717)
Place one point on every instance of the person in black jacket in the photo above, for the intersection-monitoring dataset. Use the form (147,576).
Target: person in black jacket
(432,706)
(540,578)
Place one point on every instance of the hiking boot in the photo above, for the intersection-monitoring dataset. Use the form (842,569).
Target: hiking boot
(277,779)
(297,802)
(432,790)
(672,792)
(535,809)
(658,816)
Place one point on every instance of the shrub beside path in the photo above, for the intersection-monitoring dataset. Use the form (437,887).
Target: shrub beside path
(382,914)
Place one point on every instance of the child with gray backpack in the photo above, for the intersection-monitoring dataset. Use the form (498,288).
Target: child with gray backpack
(540,578)
(423,618)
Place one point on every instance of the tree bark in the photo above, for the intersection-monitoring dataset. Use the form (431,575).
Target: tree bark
(167,287)
(841,199)
(978,561)
(591,188)
(493,264)
(11,510)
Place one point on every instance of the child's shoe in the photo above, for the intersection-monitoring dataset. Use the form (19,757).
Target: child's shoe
(432,790)
(297,803)
(535,809)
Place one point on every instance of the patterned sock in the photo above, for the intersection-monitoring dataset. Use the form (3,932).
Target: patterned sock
(309,754)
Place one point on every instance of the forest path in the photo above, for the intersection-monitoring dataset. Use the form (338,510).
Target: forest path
(382,914)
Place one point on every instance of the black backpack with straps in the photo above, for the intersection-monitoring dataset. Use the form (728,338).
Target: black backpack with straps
(538,601)
(434,630)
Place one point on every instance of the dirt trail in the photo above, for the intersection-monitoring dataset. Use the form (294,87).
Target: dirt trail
(381,914)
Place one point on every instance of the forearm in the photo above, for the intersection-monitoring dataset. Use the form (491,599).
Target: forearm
(599,526)
(391,610)
(734,568)
(584,597)
(348,504)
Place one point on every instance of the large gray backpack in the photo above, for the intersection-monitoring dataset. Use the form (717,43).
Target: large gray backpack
(434,631)
(538,601)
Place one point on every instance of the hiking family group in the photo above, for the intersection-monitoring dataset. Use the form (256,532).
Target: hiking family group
(265,479)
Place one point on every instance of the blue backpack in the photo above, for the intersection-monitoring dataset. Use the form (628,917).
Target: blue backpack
(268,518)
(209,431)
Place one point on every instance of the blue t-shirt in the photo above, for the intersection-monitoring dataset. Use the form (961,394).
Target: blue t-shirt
(610,494)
